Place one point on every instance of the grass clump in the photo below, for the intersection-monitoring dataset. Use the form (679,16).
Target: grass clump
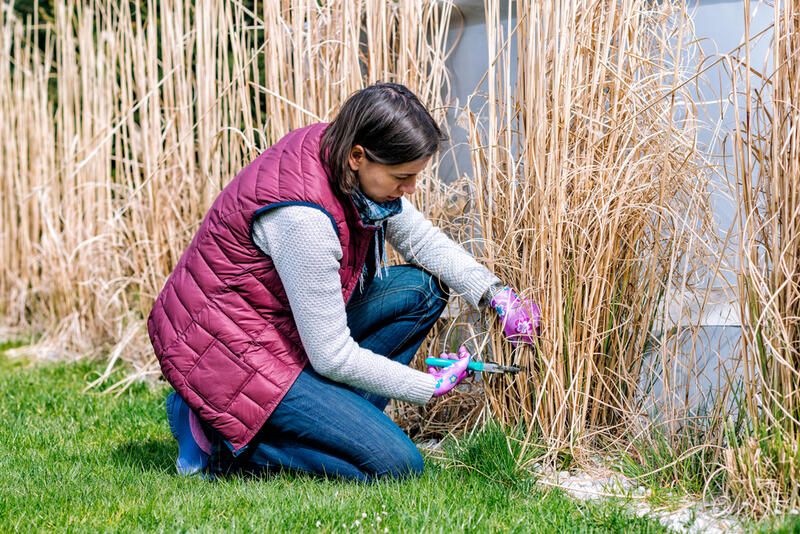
(764,467)
(495,454)
(673,466)
(88,461)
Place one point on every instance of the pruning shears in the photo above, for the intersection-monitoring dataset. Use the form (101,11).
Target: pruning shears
(475,364)
(481,367)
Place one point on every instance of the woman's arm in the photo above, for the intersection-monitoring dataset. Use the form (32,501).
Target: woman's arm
(422,243)
(306,253)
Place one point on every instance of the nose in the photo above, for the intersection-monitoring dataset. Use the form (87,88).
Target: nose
(409,186)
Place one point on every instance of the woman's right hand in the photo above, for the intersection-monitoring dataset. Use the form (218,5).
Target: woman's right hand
(448,377)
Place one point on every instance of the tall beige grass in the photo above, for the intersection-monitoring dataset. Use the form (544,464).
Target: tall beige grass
(121,130)
(587,190)
(765,463)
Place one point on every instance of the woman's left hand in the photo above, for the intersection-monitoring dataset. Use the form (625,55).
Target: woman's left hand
(448,377)
(521,318)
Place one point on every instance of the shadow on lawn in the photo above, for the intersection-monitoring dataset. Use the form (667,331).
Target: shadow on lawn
(159,456)
(153,455)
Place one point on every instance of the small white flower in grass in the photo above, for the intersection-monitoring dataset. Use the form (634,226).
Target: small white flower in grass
(386,530)
(363,515)
(378,518)
(319,524)
(357,522)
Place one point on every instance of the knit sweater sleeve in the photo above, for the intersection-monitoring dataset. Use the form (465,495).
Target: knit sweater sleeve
(422,243)
(306,252)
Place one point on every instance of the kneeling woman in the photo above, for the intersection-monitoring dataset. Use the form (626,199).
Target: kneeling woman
(279,328)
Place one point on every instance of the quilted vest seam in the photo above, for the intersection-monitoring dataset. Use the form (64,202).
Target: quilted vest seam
(238,391)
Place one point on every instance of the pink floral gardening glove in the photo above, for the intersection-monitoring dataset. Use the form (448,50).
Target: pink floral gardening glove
(448,377)
(521,318)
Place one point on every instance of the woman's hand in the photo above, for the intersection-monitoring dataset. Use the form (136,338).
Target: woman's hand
(521,318)
(448,377)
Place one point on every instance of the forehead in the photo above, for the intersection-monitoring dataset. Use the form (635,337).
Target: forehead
(411,167)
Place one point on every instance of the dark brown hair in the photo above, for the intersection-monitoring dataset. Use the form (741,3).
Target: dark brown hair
(388,121)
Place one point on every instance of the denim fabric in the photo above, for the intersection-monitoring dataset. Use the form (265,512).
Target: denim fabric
(328,428)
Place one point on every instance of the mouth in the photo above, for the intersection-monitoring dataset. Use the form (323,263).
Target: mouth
(391,199)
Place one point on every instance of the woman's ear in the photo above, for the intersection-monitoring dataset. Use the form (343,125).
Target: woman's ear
(356,157)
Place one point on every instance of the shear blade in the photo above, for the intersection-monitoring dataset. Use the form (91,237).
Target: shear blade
(497,368)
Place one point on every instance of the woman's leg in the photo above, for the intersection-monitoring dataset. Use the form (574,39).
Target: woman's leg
(394,314)
(324,428)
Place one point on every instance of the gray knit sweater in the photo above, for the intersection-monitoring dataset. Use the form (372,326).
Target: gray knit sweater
(306,252)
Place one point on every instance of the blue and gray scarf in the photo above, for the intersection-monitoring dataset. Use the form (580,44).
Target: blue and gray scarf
(375,214)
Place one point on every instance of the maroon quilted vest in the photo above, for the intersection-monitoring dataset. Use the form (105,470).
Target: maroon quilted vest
(221,327)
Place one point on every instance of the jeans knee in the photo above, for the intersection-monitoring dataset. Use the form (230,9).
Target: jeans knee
(407,465)
(441,291)
(436,292)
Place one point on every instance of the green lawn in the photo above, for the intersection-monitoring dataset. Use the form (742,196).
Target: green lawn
(87,462)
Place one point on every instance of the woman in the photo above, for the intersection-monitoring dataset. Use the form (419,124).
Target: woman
(280,330)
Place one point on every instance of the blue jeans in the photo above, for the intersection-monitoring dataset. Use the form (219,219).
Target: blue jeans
(328,428)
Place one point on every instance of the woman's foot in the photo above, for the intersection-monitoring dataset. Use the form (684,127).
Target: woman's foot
(194,448)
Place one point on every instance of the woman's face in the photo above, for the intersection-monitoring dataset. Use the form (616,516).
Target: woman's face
(383,183)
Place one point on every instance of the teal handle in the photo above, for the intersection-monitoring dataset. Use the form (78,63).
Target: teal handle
(441,362)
